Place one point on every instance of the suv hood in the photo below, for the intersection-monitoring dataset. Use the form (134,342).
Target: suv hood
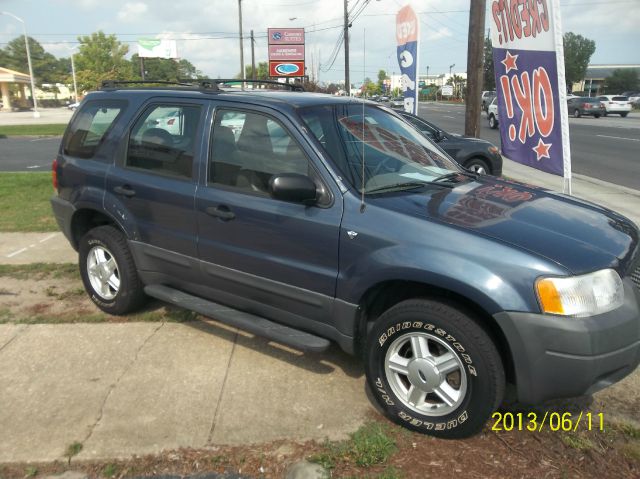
(576,234)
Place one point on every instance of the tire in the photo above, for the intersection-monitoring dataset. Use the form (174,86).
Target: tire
(474,384)
(478,165)
(493,124)
(605,114)
(624,115)
(108,272)
(576,113)
(597,116)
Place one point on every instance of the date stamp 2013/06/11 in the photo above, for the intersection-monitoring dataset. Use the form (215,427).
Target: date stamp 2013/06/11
(553,421)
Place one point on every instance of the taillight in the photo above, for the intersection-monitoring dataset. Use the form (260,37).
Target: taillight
(586,105)
(54,174)
(170,122)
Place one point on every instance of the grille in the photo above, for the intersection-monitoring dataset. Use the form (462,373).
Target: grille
(635,277)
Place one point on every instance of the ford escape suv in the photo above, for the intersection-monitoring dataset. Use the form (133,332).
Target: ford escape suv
(312,219)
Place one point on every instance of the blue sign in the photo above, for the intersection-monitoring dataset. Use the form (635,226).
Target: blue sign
(407,36)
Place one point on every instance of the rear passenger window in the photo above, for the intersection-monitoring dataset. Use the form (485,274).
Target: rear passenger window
(90,126)
(247,149)
(163,140)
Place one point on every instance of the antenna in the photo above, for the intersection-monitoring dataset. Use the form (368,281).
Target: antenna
(364,72)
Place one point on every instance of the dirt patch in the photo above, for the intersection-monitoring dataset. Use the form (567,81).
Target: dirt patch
(487,455)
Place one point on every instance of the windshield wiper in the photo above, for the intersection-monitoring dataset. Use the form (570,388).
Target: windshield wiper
(449,176)
(406,185)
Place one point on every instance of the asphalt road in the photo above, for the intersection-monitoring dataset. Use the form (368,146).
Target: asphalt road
(604,148)
(28,153)
(607,148)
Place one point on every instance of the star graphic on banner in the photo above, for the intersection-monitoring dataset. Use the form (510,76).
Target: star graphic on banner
(542,149)
(509,62)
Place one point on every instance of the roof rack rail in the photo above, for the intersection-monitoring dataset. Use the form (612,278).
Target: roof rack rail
(222,81)
(116,83)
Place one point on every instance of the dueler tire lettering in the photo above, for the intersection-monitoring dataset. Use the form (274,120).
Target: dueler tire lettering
(406,357)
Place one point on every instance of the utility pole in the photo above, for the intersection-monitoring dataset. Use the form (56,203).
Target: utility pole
(253,60)
(242,72)
(475,60)
(73,73)
(347,82)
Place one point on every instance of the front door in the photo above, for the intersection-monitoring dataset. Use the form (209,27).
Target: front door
(277,258)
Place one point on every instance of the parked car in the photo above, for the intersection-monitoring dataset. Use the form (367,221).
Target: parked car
(73,106)
(584,105)
(355,229)
(383,99)
(487,98)
(475,154)
(615,104)
(397,102)
(492,114)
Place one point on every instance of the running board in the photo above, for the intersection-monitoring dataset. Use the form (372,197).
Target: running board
(239,319)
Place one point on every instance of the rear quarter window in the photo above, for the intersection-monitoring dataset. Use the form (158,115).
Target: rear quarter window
(90,126)
(620,98)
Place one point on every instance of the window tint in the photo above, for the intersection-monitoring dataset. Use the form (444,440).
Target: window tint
(163,140)
(620,98)
(90,126)
(247,149)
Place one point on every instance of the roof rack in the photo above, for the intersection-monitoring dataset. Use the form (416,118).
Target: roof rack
(115,83)
(291,86)
(208,84)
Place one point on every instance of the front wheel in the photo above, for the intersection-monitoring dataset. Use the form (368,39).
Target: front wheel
(576,113)
(108,271)
(493,123)
(477,165)
(433,369)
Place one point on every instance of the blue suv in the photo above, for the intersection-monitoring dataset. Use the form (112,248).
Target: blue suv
(309,218)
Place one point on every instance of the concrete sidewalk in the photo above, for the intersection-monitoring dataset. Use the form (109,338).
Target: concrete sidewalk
(140,388)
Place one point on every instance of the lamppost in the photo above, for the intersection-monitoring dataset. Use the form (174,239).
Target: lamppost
(73,73)
(36,114)
(450,67)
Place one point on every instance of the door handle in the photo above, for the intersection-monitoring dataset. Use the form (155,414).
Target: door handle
(124,191)
(221,212)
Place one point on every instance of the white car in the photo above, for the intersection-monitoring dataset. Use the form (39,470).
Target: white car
(492,114)
(615,104)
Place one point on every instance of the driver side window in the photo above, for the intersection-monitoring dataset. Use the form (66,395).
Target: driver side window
(248,148)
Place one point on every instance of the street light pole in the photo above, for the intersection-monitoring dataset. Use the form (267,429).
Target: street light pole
(36,113)
(347,82)
(73,73)
(242,72)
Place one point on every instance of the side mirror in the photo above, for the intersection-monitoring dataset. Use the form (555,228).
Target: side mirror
(294,188)
(439,135)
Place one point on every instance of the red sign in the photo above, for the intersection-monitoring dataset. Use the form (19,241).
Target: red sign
(285,36)
(286,52)
(286,69)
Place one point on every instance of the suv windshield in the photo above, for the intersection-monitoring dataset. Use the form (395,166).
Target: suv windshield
(366,139)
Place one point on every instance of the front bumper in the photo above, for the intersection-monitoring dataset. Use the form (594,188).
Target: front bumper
(557,357)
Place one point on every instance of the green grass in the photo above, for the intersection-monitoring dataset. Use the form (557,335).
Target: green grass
(33,130)
(73,450)
(368,446)
(24,202)
(40,271)
(577,441)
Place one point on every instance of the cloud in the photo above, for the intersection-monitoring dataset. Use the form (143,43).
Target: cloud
(131,12)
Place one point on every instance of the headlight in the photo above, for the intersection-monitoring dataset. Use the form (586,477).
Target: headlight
(580,296)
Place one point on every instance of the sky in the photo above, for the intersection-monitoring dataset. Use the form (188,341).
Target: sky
(207,31)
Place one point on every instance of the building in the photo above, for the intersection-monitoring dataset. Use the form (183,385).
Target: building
(595,76)
(12,77)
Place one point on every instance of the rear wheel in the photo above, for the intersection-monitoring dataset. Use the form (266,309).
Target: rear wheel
(433,369)
(108,271)
(597,115)
(576,113)
(493,123)
(624,115)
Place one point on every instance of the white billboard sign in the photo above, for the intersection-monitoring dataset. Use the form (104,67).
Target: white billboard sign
(447,90)
(157,48)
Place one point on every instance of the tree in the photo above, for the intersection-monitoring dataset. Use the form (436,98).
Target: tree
(577,53)
(489,77)
(382,76)
(622,80)
(262,71)
(101,57)
(164,69)
(46,67)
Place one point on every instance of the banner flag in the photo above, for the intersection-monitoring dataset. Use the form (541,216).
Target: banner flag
(528,59)
(157,48)
(407,36)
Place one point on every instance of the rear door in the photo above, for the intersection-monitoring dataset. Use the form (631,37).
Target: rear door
(276,258)
(155,182)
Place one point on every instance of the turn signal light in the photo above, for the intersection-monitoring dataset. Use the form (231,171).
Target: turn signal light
(54,174)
